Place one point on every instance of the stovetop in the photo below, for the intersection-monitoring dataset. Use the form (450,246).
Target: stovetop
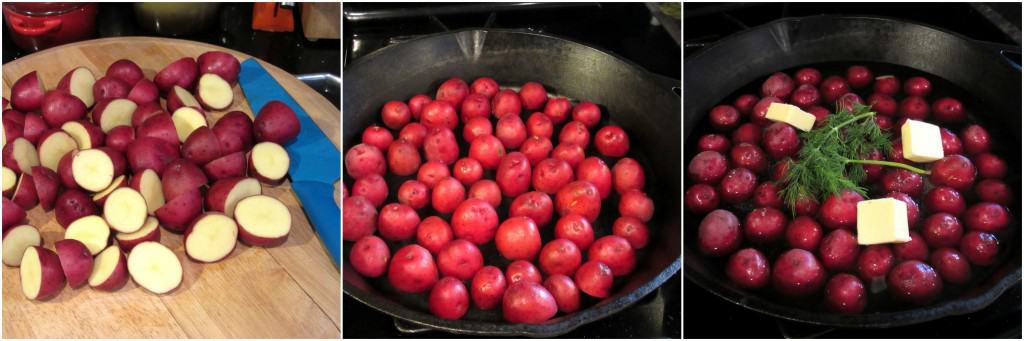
(706,23)
(623,29)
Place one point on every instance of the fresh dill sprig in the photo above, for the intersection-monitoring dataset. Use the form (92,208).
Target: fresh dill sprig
(823,165)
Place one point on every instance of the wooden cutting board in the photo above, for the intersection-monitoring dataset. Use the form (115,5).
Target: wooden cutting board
(289,291)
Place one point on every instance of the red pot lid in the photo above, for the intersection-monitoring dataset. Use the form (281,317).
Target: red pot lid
(43,8)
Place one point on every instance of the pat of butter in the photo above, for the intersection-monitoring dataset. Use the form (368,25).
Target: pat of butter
(791,114)
(922,141)
(882,221)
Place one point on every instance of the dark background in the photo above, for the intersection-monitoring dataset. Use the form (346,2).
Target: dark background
(288,50)
(709,316)
(623,29)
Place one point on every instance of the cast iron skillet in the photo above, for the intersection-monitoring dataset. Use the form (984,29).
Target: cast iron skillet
(644,104)
(985,71)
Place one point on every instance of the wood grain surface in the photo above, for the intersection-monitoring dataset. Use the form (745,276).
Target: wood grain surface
(289,291)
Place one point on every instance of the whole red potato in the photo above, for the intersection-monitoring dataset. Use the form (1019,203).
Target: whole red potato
(416,104)
(914,282)
(449,299)
(992,190)
(942,230)
(528,302)
(412,269)
(447,195)
(486,86)
(633,230)
(780,140)
(276,122)
(767,195)
(415,133)
(707,167)
(845,294)
(359,219)
(748,269)
(475,220)
(474,127)
(511,131)
(797,273)
(369,256)
(917,86)
(749,156)
(833,87)
(628,174)
(565,292)
(397,222)
(839,250)
(990,166)
(460,259)
(724,117)
(533,95)
(975,139)
(467,171)
(453,91)
(764,225)
(551,174)
(441,145)
(506,102)
(396,114)
(612,141)
(560,257)
(804,233)
(522,271)
(759,115)
(439,114)
(778,85)
(579,197)
(980,248)
(575,228)
(486,190)
(433,234)
(987,217)
(536,148)
(737,185)
(538,124)
(518,239)
(948,110)
(887,84)
(487,149)
(432,172)
(513,175)
(535,205)
(475,106)
(488,287)
(594,278)
(915,249)
(587,113)
(719,233)
(954,171)
(859,76)
(557,109)
(951,265)
(807,76)
(745,103)
(363,159)
(875,261)
(714,142)
(840,211)
(747,133)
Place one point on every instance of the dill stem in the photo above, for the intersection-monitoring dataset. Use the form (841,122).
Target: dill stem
(854,119)
(891,164)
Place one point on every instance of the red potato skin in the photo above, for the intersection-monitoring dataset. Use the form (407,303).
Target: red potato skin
(820,114)
(144,91)
(538,124)
(533,95)
(980,248)
(884,123)
(25,195)
(416,104)
(47,186)
(449,299)
(126,71)
(96,135)
(447,195)
(807,76)
(67,180)
(568,152)
(859,76)
(453,91)
(557,109)
(220,63)
(778,85)
(486,190)
(780,169)
(363,160)
(71,205)
(506,102)
(914,282)
(578,197)
(179,212)
(975,139)
(403,158)
(595,171)
(397,222)
(633,230)
(473,128)
(902,180)
(942,230)
(749,156)
(276,122)
(564,290)
(528,302)
(475,106)
(875,261)
(887,84)
(948,110)
(467,171)
(805,96)
(917,86)
(373,188)
(159,127)
(797,273)
(13,214)
(202,146)
(748,269)
(990,166)
(987,217)
(551,174)
(235,132)
(433,234)
(612,141)
(412,269)
(628,174)
(460,259)
(182,72)
(414,193)
(845,294)
(804,233)
(227,166)
(535,205)
(30,96)
(714,142)
(13,130)
(181,176)
(594,278)
(175,100)
(780,140)
(848,101)
(144,111)
(954,171)
(707,167)
(432,172)
(439,114)
(486,86)
(522,271)
(518,238)
(369,256)
(560,257)
(724,117)
(991,190)
(839,250)
(488,287)
(395,114)
(359,218)
(441,145)
(475,220)
(951,265)
(764,225)
(950,143)
(511,130)
(614,251)
(883,104)
(945,199)
(745,103)
(833,87)
(536,148)
(53,280)
(915,249)
(767,195)
(118,160)
(60,107)
(759,115)
(575,132)
(488,150)
(215,197)
(840,211)
(575,228)
(378,136)
(914,107)
(107,88)
(587,113)
(737,185)
(514,174)
(34,127)
(414,133)
(636,204)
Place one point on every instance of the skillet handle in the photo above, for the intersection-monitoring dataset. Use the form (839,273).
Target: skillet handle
(409,328)
(668,83)
(1011,53)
